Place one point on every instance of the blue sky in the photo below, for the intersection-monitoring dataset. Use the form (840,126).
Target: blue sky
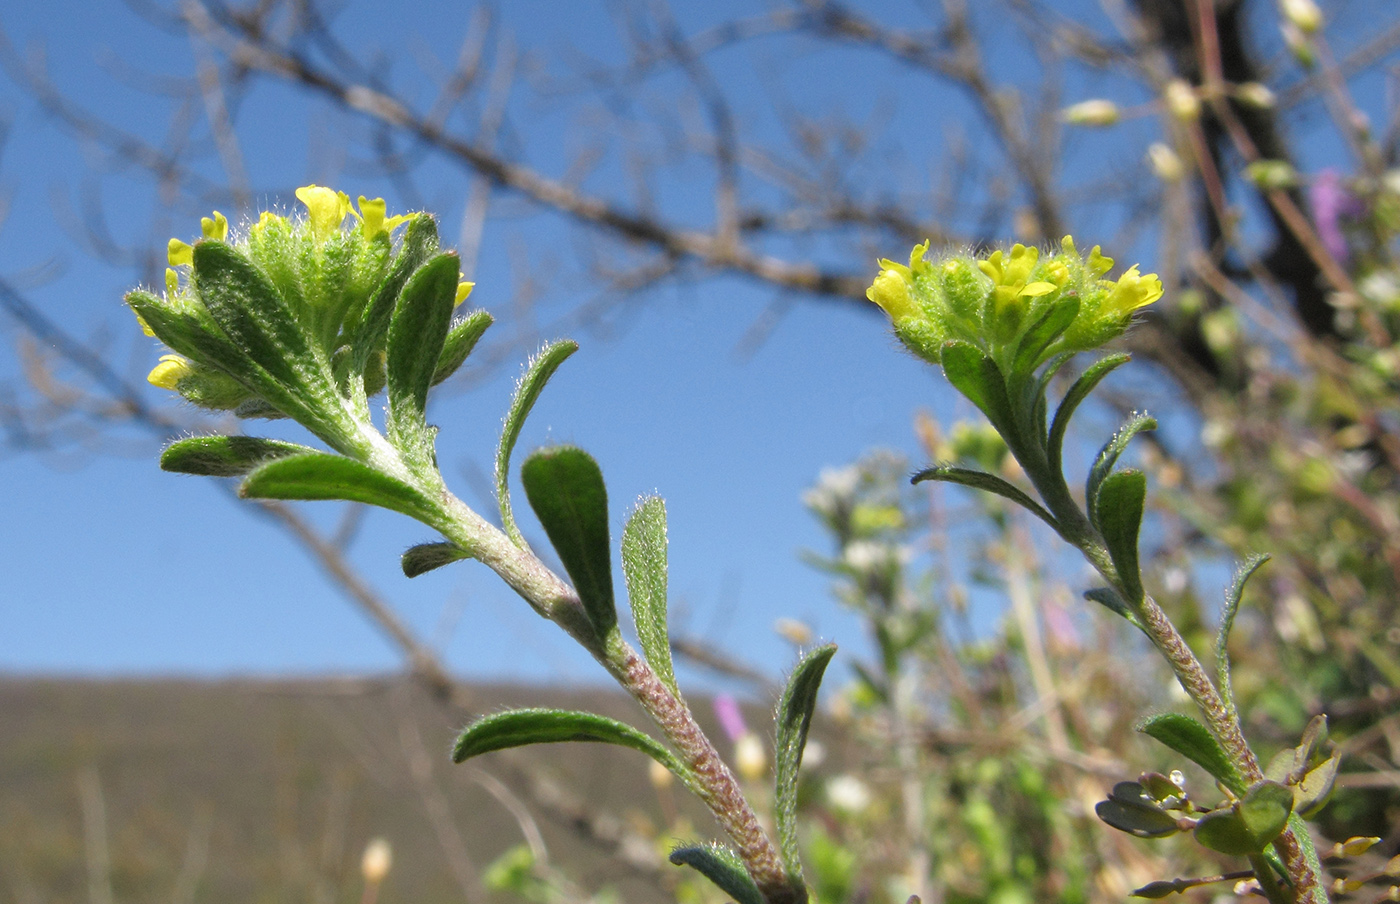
(108,566)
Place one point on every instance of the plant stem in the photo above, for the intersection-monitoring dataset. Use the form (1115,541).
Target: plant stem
(1222,720)
(553,598)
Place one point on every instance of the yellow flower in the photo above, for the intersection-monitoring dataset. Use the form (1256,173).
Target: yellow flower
(891,289)
(1010,275)
(327,209)
(373,220)
(215,227)
(178,253)
(170,371)
(463,290)
(1133,291)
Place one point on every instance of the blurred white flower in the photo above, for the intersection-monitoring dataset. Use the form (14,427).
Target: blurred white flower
(377,860)
(849,794)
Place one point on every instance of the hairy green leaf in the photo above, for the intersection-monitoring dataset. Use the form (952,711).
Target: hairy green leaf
(425,557)
(795,710)
(318,475)
(981,480)
(419,244)
(417,331)
(645,568)
(461,339)
(1077,393)
(542,366)
(1194,741)
(1233,594)
(252,313)
(520,727)
(225,456)
(979,379)
(1109,599)
(1118,516)
(1053,322)
(721,866)
(1108,455)
(564,486)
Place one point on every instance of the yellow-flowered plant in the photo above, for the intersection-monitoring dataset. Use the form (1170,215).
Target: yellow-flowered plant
(1019,307)
(309,316)
(314,297)
(1000,326)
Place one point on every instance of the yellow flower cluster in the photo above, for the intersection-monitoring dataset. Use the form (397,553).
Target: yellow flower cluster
(326,212)
(1020,307)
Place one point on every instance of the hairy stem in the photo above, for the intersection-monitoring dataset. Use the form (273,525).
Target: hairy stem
(553,598)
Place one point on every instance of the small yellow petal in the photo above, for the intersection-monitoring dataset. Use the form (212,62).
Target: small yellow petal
(214,228)
(891,292)
(145,327)
(463,290)
(327,209)
(178,253)
(172,282)
(372,215)
(1098,264)
(1037,289)
(169,372)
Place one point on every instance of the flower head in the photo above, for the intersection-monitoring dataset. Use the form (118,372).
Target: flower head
(290,316)
(1019,306)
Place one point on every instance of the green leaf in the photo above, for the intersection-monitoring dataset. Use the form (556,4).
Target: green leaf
(645,569)
(1251,824)
(195,335)
(1118,516)
(416,335)
(981,480)
(1233,594)
(420,243)
(1053,322)
(565,488)
(1131,809)
(318,475)
(541,367)
(1315,790)
(1194,741)
(978,378)
(461,339)
(224,456)
(1108,455)
(1077,393)
(795,710)
(254,316)
(519,727)
(721,866)
(1109,599)
(425,557)
(1159,889)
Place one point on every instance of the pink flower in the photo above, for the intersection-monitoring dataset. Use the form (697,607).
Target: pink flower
(730,718)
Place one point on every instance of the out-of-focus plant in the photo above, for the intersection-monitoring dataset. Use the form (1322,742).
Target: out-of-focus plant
(309,318)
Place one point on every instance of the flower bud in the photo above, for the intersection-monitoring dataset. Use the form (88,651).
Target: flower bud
(1165,162)
(1181,100)
(1097,112)
(1302,14)
(1256,95)
(377,860)
(1271,175)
